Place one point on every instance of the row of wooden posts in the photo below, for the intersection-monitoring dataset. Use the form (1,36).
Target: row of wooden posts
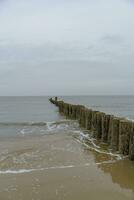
(117,132)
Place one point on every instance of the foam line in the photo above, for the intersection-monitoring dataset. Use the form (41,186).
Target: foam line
(21,171)
(118,156)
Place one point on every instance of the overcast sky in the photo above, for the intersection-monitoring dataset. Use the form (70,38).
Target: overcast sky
(66,47)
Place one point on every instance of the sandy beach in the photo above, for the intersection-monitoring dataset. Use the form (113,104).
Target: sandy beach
(65,169)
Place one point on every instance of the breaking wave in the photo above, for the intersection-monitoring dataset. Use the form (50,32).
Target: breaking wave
(48,124)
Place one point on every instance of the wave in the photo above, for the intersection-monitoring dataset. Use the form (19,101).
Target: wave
(44,127)
(23,123)
(36,123)
(22,171)
(92,146)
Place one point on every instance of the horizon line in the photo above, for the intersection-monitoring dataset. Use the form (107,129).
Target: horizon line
(69,95)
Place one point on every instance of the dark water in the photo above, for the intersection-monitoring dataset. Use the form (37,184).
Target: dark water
(44,156)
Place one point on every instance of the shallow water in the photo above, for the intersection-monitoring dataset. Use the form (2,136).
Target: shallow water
(44,156)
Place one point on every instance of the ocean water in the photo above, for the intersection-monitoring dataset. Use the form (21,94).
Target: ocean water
(45,156)
(122,106)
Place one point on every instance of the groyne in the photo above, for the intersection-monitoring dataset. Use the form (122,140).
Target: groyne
(117,132)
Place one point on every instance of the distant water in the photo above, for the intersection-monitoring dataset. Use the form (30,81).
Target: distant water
(26,109)
(38,109)
(45,156)
(122,106)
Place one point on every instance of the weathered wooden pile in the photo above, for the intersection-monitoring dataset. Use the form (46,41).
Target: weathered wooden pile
(117,132)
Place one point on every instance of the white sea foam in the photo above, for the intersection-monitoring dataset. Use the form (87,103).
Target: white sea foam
(59,125)
(21,171)
(118,156)
(50,126)
(86,136)
(25,131)
(132,120)
(106,162)
(95,147)
(22,131)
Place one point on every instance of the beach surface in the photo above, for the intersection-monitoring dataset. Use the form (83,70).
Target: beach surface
(53,161)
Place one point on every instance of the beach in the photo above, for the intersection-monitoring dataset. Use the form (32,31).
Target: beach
(51,160)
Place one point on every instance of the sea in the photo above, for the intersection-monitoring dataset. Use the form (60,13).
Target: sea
(44,156)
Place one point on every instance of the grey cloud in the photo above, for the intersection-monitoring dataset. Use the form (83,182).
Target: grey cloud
(114,39)
(66,47)
(54,77)
(2,1)
(129,1)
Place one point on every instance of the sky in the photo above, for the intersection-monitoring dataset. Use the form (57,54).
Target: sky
(66,47)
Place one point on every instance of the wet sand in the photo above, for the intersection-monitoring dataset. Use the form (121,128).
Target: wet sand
(57,167)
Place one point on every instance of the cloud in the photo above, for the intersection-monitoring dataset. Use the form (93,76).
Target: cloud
(66,47)
(129,1)
(114,39)
(2,1)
